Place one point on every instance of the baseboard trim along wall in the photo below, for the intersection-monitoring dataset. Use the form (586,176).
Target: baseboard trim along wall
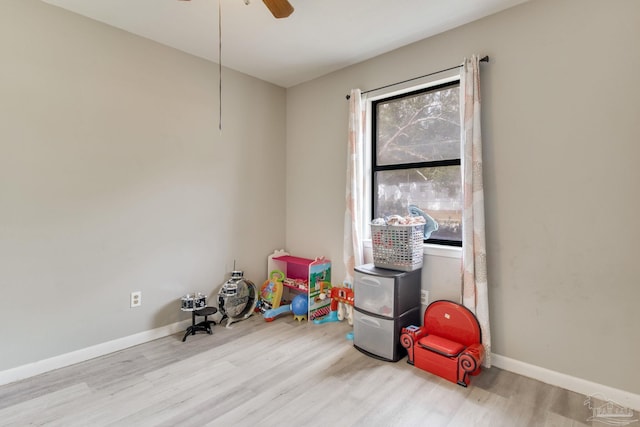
(82,355)
(568,382)
(578,385)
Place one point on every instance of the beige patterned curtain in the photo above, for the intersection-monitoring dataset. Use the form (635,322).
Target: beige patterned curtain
(474,257)
(353,217)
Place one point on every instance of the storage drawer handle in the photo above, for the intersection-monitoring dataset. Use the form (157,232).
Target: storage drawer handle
(370,282)
(370,321)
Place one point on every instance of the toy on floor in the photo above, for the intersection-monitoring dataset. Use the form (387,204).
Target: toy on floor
(197,304)
(271,291)
(341,306)
(299,306)
(237,298)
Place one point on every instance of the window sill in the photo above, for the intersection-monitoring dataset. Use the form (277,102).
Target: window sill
(431,250)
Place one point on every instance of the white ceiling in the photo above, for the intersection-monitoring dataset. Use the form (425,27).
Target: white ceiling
(321,36)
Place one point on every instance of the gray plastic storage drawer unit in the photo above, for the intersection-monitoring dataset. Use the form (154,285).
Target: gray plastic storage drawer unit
(385,301)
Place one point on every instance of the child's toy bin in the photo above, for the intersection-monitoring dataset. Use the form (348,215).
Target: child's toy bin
(397,247)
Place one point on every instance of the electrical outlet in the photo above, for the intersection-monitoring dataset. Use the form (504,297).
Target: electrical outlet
(424,297)
(136,299)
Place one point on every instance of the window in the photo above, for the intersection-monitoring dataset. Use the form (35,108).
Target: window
(415,157)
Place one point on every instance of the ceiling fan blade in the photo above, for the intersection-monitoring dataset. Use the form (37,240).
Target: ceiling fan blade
(279,8)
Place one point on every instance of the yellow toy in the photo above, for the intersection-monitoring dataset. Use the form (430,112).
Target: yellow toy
(271,291)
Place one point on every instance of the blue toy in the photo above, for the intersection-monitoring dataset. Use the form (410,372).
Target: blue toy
(430,224)
(299,306)
(331,317)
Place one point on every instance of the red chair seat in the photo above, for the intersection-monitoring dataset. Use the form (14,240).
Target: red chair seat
(449,344)
(441,345)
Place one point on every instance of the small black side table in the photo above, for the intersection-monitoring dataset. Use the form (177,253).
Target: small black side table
(204,326)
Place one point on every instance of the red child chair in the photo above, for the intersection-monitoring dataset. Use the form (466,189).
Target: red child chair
(448,345)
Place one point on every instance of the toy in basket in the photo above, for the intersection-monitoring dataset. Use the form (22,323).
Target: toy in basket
(430,224)
(398,241)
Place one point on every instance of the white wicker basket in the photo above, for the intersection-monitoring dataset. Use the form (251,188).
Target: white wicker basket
(397,247)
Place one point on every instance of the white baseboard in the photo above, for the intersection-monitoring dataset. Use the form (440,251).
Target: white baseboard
(568,382)
(56,362)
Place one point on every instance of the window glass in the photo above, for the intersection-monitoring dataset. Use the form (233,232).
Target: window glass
(436,191)
(419,127)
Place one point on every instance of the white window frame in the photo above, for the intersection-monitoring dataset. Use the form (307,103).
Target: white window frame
(429,248)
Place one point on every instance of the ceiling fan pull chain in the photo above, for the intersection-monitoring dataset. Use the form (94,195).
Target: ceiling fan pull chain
(220,66)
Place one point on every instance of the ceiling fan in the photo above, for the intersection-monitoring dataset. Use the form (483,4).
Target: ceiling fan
(278,8)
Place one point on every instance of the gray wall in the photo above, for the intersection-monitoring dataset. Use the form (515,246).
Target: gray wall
(560,128)
(115,178)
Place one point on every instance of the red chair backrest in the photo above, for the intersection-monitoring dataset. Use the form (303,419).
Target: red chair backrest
(452,321)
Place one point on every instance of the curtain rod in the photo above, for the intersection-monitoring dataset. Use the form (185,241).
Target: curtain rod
(483,59)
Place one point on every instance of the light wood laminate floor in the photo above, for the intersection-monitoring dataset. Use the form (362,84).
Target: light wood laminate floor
(282,373)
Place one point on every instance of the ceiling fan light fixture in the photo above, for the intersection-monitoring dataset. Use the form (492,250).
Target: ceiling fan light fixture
(279,8)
